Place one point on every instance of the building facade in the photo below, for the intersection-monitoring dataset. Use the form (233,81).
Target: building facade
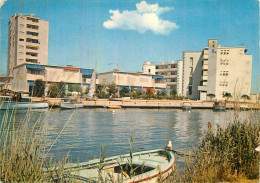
(140,81)
(168,71)
(26,74)
(179,77)
(148,68)
(216,70)
(27,41)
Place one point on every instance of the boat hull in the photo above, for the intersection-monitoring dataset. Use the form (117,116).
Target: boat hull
(23,105)
(156,165)
(69,105)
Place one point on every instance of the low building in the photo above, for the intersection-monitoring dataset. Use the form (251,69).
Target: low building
(26,74)
(140,81)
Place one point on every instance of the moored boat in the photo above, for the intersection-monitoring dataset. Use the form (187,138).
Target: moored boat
(114,107)
(70,104)
(186,106)
(146,166)
(219,105)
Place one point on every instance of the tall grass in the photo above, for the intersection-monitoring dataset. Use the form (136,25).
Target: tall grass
(228,154)
(24,155)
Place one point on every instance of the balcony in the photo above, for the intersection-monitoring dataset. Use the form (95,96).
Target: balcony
(204,77)
(160,85)
(170,76)
(206,57)
(205,67)
(202,88)
(166,70)
(171,83)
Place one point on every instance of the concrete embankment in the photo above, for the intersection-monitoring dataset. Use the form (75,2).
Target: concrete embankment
(154,104)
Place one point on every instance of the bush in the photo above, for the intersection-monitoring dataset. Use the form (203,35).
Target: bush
(226,155)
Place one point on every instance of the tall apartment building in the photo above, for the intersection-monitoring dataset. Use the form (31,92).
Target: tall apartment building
(217,70)
(179,77)
(27,41)
(168,71)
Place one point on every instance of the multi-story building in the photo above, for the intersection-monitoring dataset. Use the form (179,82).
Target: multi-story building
(168,71)
(27,41)
(148,68)
(140,81)
(26,74)
(179,77)
(217,70)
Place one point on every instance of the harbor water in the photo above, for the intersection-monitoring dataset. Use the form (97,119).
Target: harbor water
(82,132)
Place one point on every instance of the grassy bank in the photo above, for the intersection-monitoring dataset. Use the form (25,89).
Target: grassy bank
(24,150)
(225,155)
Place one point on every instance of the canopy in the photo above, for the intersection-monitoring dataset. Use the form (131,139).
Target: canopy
(121,88)
(36,67)
(157,77)
(86,71)
(31,83)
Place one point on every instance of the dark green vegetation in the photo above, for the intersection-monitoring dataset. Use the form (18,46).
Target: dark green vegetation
(37,90)
(226,155)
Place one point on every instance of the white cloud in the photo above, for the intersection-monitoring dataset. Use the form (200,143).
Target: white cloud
(144,18)
(2,2)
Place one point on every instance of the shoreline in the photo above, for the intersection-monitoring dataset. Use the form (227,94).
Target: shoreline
(157,104)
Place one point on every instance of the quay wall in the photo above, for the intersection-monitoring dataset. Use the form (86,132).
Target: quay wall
(154,103)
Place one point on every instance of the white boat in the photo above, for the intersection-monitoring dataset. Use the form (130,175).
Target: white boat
(70,105)
(219,105)
(146,166)
(23,105)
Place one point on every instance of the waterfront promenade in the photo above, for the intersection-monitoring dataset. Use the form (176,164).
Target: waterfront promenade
(132,103)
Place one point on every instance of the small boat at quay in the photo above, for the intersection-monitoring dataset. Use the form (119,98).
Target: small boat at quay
(186,106)
(147,166)
(13,100)
(219,105)
(70,104)
(114,107)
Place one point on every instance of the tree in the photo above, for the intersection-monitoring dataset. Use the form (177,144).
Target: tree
(245,97)
(124,92)
(112,90)
(53,91)
(227,95)
(211,95)
(38,89)
(61,87)
(101,91)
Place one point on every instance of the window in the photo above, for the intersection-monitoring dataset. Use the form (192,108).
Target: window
(21,39)
(212,50)
(32,19)
(32,54)
(31,60)
(31,47)
(32,40)
(149,70)
(32,33)
(32,26)
(36,72)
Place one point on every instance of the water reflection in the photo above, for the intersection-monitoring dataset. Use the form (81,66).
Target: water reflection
(83,131)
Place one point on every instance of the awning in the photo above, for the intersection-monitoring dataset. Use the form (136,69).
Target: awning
(31,53)
(71,69)
(35,67)
(85,84)
(161,89)
(32,46)
(151,89)
(31,83)
(86,71)
(121,88)
(157,77)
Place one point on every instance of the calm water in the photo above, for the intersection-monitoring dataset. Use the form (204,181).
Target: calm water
(84,130)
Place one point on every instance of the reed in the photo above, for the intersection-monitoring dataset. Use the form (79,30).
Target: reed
(228,154)
(24,155)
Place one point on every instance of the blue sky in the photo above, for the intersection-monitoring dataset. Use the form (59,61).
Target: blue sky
(130,32)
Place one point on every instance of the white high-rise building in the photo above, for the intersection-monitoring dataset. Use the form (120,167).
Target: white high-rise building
(217,70)
(148,68)
(179,77)
(27,41)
